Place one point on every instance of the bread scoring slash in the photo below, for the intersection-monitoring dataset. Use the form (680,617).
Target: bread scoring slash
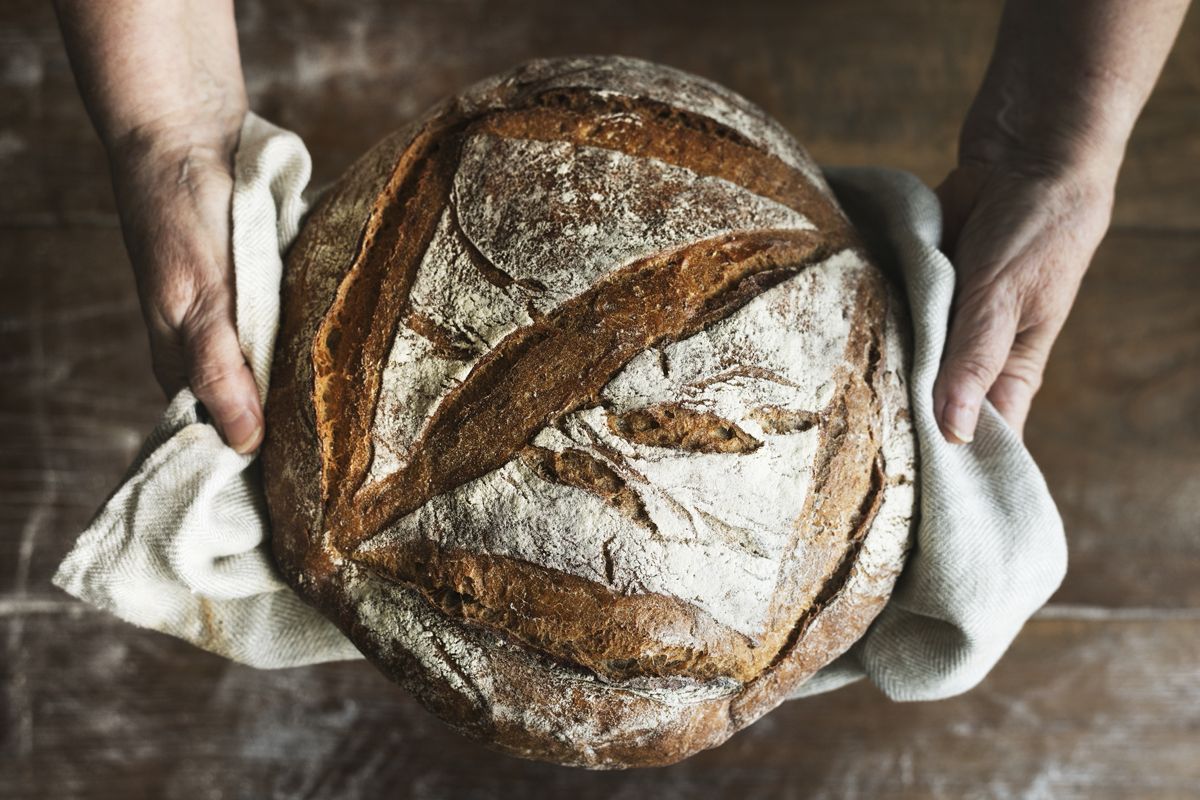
(588,420)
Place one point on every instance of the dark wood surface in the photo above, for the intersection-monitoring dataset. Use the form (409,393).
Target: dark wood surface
(1100,695)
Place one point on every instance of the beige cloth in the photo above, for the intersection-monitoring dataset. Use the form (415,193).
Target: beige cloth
(180,546)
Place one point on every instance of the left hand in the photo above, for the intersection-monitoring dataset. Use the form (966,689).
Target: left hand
(1021,237)
(174,190)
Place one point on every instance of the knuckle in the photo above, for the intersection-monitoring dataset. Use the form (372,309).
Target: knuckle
(989,302)
(180,292)
(973,370)
(211,376)
(171,295)
(165,341)
(209,311)
(1044,295)
(1025,372)
(1011,397)
(214,363)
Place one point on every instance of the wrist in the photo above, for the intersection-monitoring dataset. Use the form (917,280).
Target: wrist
(1044,136)
(175,138)
(1048,117)
(1089,161)
(1082,178)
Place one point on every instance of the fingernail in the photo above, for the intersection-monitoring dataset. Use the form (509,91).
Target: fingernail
(959,422)
(244,432)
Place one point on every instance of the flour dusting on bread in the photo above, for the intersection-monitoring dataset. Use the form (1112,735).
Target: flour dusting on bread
(589,415)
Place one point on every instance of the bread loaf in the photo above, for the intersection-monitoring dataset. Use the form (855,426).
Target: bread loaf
(588,420)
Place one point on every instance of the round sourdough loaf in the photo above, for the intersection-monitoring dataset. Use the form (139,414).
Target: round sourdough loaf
(588,420)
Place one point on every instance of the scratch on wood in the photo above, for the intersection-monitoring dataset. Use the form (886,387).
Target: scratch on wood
(20,707)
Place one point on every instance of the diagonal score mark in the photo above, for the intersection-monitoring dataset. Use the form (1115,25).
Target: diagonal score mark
(371,303)
(372,298)
(562,362)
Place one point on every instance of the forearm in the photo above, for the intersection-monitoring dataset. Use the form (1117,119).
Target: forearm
(152,69)
(1068,79)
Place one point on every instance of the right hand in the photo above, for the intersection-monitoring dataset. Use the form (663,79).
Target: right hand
(1021,237)
(174,191)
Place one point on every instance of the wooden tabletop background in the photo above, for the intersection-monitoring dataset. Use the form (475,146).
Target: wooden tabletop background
(1098,698)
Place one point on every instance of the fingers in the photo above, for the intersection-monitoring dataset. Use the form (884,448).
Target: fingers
(175,210)
(1012,393)
(1020,239)
(977,348)
(220,378)
(1012,398)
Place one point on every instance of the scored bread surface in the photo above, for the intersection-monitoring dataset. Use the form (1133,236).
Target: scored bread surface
(588,420)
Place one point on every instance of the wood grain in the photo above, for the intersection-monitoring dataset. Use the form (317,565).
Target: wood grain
(1115,427)
(1075,710)
(77,396)
(1098,698)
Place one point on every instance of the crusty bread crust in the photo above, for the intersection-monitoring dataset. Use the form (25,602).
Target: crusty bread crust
(528,658)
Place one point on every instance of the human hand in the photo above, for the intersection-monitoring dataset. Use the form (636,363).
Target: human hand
(163,84)
(174,188)
(1032,195)
(1021,236)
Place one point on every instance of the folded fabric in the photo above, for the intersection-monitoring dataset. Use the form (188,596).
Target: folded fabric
(989,548)
(180,547)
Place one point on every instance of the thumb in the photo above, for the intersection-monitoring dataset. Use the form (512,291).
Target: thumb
(220,378)
(977,347)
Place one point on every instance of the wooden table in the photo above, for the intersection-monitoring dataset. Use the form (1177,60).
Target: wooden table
(1098,698)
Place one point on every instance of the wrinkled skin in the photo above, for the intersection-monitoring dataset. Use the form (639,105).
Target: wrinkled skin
(1021,240)
(1032,194)
(175,197)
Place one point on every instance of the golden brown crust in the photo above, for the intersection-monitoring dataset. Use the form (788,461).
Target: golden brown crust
(617,636)
(519,386)
(345,292)
(675,425)
(556,614)
(372,299)
(314,265)
(649,129)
